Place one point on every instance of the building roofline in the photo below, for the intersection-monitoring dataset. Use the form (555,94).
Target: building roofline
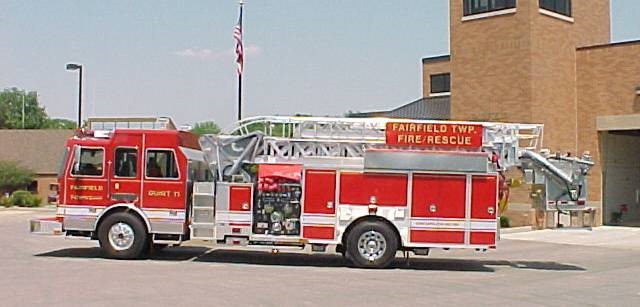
(438,58)
(380,113)
(630,42)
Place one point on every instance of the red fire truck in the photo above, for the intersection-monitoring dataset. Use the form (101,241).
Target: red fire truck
(365,188)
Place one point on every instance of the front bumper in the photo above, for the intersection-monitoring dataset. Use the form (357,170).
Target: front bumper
(45,226)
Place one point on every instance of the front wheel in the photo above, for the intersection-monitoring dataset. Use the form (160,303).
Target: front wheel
(371,244)
(123,236)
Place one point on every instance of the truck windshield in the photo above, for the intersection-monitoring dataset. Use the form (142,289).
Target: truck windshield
(62,162)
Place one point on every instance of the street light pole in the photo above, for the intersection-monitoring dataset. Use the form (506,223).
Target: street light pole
(73,66)
(23,94)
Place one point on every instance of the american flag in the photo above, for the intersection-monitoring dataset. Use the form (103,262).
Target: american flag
(237,35)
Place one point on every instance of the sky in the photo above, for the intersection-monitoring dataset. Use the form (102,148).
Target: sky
(176,59)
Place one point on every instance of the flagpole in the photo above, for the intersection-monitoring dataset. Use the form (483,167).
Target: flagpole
(241,2)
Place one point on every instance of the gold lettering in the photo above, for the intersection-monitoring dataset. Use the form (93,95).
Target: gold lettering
(166,193)
(85,197)
(74,187)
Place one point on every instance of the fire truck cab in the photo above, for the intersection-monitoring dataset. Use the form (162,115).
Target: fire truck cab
(141,176)
(367,188)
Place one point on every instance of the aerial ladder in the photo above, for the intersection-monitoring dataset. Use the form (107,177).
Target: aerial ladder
(559,180)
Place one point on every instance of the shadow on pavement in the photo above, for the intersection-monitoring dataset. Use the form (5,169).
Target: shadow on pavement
(182,253)
(206,255)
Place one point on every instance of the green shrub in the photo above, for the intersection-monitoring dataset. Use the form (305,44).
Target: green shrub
(5,201)
(23,198)
(14,176)
(504,222)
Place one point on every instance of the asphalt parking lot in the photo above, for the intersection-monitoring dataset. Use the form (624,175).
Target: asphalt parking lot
(525,270)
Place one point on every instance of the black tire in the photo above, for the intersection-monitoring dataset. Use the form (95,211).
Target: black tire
(140,244)
(375,229)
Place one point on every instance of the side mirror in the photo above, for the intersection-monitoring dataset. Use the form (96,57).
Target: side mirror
(76,158)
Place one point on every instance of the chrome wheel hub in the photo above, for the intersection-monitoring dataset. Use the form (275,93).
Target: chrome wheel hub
(372,245)
(121,236)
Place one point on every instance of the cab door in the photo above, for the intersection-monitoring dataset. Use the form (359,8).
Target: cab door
(87,180)
(163,184)
(126,175)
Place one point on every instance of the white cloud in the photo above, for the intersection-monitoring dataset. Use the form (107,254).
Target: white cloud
(208,54)
(195,53)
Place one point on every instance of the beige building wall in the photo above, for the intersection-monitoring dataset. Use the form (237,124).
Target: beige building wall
(608,76)
(554,41)
(491,65)
(44,181)
(553,75)
(433,68)
(521,66)
(592,22)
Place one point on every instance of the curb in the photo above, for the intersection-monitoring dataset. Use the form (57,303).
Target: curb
(516,229)
(36,209)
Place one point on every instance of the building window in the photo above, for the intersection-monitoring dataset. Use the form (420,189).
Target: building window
(126,162)
(472,7)
(557,6)
(161,164)
(440,83)
(89,163)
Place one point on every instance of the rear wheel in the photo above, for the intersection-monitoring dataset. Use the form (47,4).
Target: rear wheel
(123,236)
(371,244)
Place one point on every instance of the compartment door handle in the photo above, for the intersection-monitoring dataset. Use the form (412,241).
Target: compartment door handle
(491,210)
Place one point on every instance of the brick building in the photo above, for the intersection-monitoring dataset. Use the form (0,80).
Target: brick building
(39,150)
(550,62)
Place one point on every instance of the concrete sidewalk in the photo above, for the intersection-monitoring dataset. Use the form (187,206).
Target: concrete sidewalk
(604,236)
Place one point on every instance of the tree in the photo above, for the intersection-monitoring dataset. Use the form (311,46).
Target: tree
(11,104)
(207,127)
(35,117)
(59,123)
(13,176)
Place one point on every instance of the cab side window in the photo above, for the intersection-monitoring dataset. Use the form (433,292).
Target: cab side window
(126,162)
(90,162)
(161,164)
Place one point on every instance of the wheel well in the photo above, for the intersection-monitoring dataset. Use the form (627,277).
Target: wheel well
(373,218)
(117,210)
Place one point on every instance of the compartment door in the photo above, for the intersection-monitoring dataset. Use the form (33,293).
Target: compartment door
(360,188)
(240,198)
(438,209)
(484,199)
(319,211)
